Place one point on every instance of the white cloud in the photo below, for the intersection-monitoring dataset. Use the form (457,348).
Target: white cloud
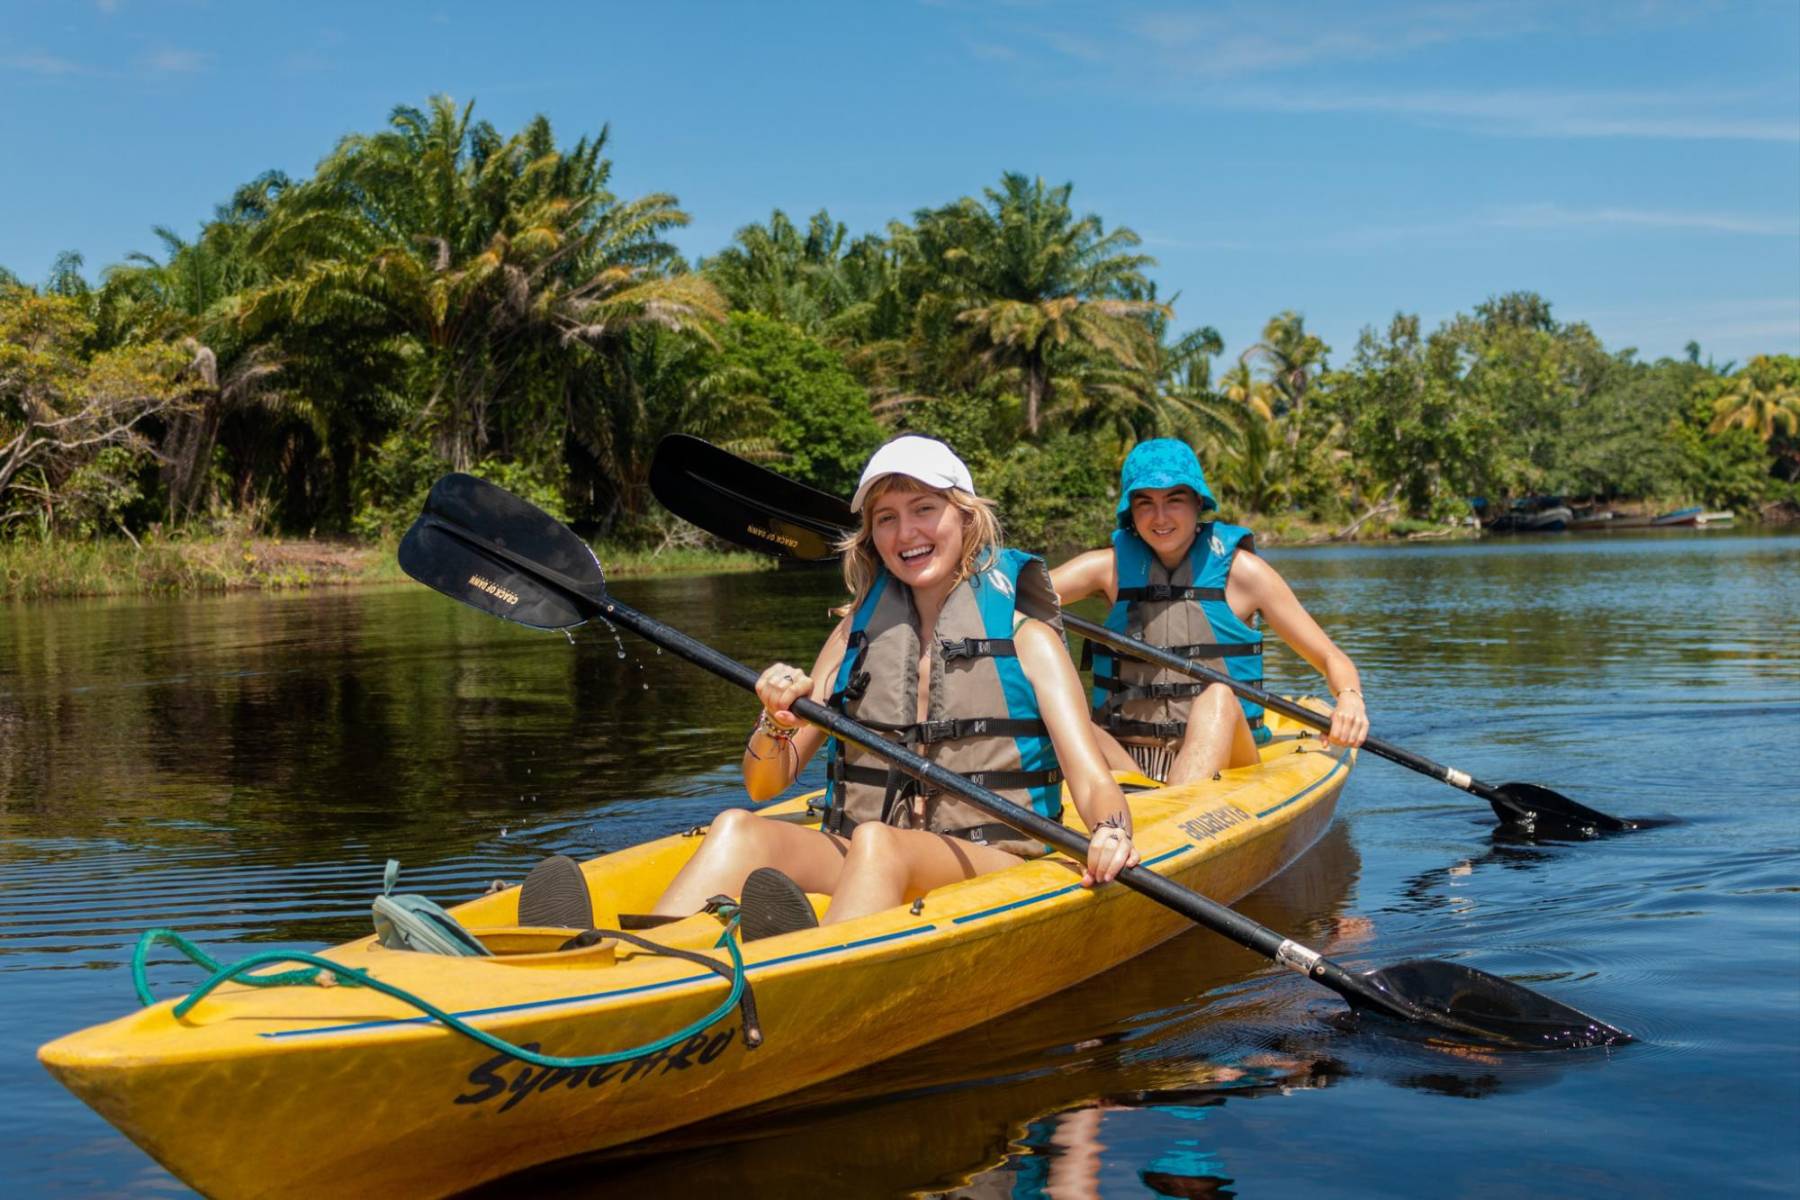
(36,62)
(1550,216)
(1543,113)
(173,61)
(1226,56)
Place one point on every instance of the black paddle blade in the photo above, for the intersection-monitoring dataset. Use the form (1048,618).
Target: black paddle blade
(745,504)
(1486,1007)
(484,546)
(1550,814)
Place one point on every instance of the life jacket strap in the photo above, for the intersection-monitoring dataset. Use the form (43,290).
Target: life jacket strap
(857,680)
(1161,592)
(1162,731)
(992,780)
(977,648)
(1200,650)
(1148,691)
(926,733)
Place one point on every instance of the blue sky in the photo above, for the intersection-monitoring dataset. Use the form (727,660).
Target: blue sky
(1637,163)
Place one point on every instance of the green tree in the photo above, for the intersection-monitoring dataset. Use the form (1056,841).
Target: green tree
(190,298)
(777,270)
(635,390)
(821,424)
(1293,359)
(73,422)
(479,258)
(1764,398)
(1025,280)
(1249,469)
(1405,426)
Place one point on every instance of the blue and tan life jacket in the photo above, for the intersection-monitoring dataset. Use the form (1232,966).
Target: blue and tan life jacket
(982,717)
(1183,612)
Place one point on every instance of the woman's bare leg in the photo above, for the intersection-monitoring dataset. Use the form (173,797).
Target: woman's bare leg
(1117,757)
(737,843)
(888,867)
(1218,737)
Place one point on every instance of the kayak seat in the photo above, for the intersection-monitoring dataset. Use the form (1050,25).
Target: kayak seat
(773,904)
(555,894)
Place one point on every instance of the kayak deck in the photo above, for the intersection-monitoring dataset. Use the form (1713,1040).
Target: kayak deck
(250,1093)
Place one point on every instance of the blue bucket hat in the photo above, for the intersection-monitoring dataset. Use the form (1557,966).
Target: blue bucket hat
(1161,463)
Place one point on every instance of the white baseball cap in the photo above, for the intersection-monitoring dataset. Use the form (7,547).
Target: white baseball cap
(925,459)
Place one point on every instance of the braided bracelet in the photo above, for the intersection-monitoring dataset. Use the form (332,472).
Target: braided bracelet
(781,735)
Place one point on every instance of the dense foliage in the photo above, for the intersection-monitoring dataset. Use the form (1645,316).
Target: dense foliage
(438,296)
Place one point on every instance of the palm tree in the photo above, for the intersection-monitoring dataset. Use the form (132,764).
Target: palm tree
(189,299)
(776,270)
(1249,466)
(476,257)
(1293,358)
(648,383)
(1026,280)
(1761,398)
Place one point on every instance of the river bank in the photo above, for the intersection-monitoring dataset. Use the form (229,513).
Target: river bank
(237,562)
(116,567)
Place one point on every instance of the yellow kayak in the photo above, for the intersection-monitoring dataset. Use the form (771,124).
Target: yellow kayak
(308,1090)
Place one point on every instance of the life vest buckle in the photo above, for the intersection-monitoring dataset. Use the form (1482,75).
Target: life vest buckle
(927,732)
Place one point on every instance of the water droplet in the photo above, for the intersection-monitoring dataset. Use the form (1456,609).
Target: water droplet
(646,687)
(621,652)
(570,635)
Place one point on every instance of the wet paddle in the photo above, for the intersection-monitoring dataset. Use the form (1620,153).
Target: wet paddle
(480,544)
(761,510)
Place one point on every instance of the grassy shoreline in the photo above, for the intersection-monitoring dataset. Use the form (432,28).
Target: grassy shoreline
(190,566)
(234,562)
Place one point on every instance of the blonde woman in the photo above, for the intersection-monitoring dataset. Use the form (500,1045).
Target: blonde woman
(950,645)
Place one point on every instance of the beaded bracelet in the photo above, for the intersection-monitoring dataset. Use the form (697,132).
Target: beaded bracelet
(781,735)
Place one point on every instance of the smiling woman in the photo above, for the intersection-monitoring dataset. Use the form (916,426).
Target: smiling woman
(1196,590)
(949,645)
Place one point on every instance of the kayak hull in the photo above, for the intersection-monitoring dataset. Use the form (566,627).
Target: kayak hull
(285,1091)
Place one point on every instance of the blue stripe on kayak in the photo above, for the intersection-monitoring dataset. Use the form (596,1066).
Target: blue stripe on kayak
(1061,891)
(1310,788)
(395,1022)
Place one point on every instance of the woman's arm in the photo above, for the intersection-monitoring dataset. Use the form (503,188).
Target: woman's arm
(1089,574)
(1045,659)
(772,759)
(1256,586)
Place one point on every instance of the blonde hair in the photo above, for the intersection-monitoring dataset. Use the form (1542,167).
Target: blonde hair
(862,563)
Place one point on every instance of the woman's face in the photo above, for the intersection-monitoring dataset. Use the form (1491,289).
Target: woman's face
(1166,519)
(919,535)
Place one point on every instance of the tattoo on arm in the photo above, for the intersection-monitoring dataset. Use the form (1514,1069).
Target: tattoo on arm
(1116,821)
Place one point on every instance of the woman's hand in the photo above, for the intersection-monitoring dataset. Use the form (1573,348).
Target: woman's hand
(779,687)
(1349,720)
(1109,852)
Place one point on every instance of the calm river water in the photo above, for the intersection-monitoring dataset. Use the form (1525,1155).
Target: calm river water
(239,768)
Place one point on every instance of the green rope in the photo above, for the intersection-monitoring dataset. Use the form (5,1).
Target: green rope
(352,978)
